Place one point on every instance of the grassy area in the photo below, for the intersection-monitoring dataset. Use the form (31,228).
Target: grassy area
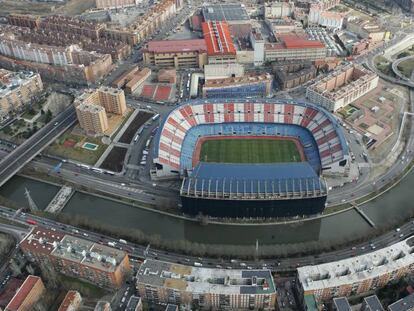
(85,289)
(406,67)
(249,151)
(77,153)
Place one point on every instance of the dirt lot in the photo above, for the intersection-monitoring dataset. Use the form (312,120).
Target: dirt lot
(139,120)
(72,7)
(115,159)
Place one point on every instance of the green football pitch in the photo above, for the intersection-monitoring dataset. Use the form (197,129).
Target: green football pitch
(249,151)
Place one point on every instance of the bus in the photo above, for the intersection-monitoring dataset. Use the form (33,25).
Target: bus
(31,222)
(136,138)
(85,166)
(148,143)
(97,170)
(109,173)
(155,117)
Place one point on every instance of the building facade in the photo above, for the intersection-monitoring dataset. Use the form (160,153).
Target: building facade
(176,53)
(357,275)
(292,47)
(203,288)
(93,105)
(102,265)
(27,295)
(342,87)
(71,302)
(293,74)
(249,85)
(17,89)
(110,4)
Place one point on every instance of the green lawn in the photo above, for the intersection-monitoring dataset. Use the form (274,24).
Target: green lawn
(249,151)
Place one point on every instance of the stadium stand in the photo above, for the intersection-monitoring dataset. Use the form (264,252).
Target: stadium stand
(300,187)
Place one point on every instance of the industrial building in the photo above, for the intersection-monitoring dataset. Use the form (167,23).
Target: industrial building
(357,275)
(176,53)
(27,295)
(220,47)
(293,47)
(71,302)
(206,288)
(292,74)
(219,71)
(249,85)
(112,4)
(368,30)
(233,14)
(102,265)
(93,105)
(342,87)
(17,89)
(278,9)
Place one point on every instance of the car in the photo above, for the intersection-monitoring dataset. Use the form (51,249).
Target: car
(401,235)
(56,123)
(397,230)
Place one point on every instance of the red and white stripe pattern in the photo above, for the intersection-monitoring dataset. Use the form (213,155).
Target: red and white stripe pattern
(187,116)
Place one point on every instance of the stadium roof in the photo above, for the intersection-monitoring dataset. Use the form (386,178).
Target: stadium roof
(225,12)
(171,46)
(218,38)
(276,179)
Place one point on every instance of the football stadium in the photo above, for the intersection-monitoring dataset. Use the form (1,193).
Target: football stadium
(250,157)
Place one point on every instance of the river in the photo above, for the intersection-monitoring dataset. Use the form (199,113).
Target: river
(390,208)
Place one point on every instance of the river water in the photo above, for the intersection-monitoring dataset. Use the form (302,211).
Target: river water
(388,209)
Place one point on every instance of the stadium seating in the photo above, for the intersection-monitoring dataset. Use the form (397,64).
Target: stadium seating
(317,130)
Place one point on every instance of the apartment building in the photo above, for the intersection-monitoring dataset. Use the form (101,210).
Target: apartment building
(93,105)
(92,118)
(176,53)
(292,74)
(279,9)
(102,265)
(293,47)
(342,87)
(132,79)
(357,275)
(145,25)
(111,4)
(206,288)
(71,302)
(27,295)
(17,89)
(69,64)
(24,20)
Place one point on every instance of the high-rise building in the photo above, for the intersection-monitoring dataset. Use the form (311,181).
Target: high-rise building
(93,105)
(27,295)
(73,256)
(208,288)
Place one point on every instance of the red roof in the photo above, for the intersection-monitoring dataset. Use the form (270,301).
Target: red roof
(218,38)
(68,301)
(173,46)
(22,293)
(296,42)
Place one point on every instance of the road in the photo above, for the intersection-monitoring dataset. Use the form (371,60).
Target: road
(25,152)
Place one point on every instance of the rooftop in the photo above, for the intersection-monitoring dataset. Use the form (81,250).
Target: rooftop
(245,79)
(404,304)
(342,304)
(133,303)
(96,256)
(68,301)
(225,12)
(205,280)
(218,38)
(357,269)
(10,80)
(23,291)
(173,46)
(373,303)
(41,240)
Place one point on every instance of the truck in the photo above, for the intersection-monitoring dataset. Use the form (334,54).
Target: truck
(31,222)
(122,241)
(155,117)
(112,244)
(197,264)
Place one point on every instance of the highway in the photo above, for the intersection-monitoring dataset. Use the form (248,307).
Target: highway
(25,152)
(138,252)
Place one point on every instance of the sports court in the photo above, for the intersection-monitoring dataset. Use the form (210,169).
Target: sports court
(254,150)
